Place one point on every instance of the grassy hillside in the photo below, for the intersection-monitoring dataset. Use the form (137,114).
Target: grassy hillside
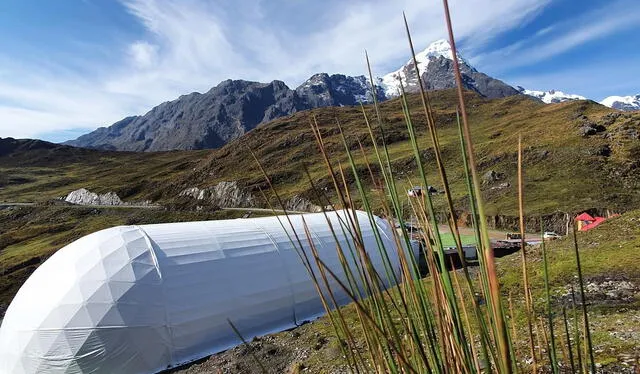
(33,170)
(564,169)
(578,155)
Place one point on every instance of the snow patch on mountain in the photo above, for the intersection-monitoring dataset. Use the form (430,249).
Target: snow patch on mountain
(626,103)
(551,96)
(336,90)
(389,82)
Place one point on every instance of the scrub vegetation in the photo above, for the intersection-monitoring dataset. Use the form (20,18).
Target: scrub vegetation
(566,171)
(452,322)
(612,278)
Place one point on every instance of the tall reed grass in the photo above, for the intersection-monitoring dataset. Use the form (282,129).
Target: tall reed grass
(450,321)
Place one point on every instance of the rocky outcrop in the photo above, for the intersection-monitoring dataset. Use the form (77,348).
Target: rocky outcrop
(336,90)
(491,176)
(86,197)
(223,194)
(231,195)
(300,204)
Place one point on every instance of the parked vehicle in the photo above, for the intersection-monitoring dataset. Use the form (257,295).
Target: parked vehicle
(513,235)
(550,235)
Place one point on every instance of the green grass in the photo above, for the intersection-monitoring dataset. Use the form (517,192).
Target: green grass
(608,252)
(36,173)
(563,171)
(448,239)
(611,248)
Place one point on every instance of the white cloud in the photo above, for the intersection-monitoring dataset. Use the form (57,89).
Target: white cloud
(191,45)
(564,36)
(143,54)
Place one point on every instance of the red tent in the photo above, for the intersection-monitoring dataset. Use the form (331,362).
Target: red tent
(597,221)
(585,217)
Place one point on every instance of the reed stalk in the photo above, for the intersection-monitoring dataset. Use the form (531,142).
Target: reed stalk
(436,325)
(553,358)
(583,299)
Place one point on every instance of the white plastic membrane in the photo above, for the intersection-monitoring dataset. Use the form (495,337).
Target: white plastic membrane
(141,299)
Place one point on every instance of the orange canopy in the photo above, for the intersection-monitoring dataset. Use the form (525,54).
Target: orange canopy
(584,217)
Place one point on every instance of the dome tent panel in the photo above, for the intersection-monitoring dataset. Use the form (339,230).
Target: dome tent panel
(154,296)
(241,278)
(51,321)
(308,305)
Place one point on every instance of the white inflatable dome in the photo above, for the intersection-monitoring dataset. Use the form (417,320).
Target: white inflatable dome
(141,299)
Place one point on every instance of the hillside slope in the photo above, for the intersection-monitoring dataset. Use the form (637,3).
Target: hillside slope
(578,154)
(233,107)
(36,171)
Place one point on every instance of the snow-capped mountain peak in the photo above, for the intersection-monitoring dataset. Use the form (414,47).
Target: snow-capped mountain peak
(626,103)
(389,82)
(436,49)
(551,96)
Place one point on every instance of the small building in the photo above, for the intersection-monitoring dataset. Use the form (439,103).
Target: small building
(583,220)
(586,222)
(596,222)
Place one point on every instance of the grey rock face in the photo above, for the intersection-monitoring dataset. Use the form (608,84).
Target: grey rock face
(300,204)
(226,112)
(223,194)
(198,121)
(491,176)
(230,195)
(439,75)
(86,197)
(336,90)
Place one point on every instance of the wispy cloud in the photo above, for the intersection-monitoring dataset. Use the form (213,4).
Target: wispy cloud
(191,45)
(586,80)
(564,36)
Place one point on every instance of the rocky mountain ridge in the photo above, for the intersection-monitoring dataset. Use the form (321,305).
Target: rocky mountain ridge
(624,103)
(551,96)
(234,107)
(227,111)
(435,65)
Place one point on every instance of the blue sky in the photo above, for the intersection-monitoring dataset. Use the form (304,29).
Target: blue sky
(70,66)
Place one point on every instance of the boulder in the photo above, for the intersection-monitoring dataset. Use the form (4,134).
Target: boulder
(491,176)
(83,196)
